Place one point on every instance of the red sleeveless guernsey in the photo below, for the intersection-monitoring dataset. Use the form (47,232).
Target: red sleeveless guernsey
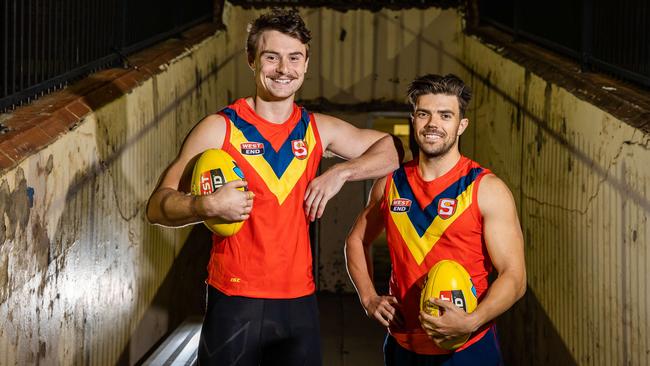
(270,257)
(427,222)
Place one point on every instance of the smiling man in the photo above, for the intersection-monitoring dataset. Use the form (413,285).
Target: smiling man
(261,307)
(439,206)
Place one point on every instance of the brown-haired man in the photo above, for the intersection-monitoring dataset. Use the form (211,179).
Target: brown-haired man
(261,308)
(439,206)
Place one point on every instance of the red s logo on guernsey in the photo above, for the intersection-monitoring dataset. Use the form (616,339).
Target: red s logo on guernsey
(299,148)
(446,207)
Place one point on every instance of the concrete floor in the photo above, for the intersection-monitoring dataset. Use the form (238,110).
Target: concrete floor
(349,337)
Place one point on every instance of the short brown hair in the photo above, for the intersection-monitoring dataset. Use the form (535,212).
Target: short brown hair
(286,21)
(449,84)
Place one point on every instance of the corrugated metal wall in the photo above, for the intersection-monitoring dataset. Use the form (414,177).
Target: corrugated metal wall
(580,179)
(359,55)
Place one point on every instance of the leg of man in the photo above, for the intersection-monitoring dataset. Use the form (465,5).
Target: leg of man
(231,331)
(291,332)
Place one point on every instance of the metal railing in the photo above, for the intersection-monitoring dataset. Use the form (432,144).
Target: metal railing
(350,4)
(48,43)
(613,37)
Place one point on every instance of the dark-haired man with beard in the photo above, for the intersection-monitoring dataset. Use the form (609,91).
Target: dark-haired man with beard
(261,307)
(439,206)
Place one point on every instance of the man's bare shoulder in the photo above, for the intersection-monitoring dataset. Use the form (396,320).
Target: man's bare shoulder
(208,133)
(326,119)
(493,184)
(212,121)
(493,194)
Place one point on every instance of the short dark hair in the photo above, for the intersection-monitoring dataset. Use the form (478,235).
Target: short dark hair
(449,84)
(286,21)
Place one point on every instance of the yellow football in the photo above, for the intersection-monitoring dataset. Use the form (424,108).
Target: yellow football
(448,280)
(215,168)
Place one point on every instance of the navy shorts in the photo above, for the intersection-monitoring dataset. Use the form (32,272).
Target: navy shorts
(485,352)
(243,331)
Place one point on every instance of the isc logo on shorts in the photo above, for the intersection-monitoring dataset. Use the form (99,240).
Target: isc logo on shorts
(252,148)
(454,296)
(299,148)
(400,205)
(446,207)
(211,180)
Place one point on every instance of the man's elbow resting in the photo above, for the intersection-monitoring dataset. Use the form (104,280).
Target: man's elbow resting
(393,144)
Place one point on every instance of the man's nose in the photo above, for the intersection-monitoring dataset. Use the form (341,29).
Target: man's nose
(282,67)
(433,123)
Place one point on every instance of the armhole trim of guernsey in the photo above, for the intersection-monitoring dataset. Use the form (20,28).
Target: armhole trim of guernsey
(314,127)
(384,198)
(476,210)
(226,137)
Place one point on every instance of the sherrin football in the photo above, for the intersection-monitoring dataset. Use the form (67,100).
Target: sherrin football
(448,280)
(213,169)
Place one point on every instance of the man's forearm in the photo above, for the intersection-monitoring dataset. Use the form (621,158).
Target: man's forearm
(502,294)
(380,159)
(169,207)
(359,270)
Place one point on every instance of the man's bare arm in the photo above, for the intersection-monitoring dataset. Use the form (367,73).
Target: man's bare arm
(170,203)
(504,242)
(368,226)
(369,153)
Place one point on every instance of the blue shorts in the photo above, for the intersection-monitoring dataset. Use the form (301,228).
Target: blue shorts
(485,352)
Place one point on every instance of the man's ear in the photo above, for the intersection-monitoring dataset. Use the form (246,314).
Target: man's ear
(463,125)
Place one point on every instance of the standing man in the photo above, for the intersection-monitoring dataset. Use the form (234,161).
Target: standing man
(261,307)
(455,209)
